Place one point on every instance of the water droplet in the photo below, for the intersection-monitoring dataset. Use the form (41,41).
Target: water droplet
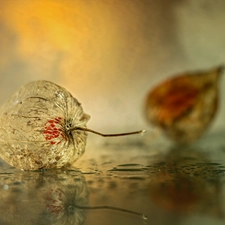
(6,187)
(144,217)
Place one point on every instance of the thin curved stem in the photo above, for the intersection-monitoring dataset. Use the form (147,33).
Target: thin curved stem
(107,135)
(111,208)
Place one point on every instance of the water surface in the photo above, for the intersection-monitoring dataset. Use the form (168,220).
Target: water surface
(118,182)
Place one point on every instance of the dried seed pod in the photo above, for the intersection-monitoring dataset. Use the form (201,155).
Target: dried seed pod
(43,126)
(184,106)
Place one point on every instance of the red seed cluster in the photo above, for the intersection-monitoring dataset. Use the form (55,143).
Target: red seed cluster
(54,201)
(53,129)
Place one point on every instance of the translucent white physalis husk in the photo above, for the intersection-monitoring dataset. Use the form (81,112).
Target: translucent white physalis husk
(35,127)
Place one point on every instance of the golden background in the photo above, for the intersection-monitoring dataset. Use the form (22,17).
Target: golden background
(109,53)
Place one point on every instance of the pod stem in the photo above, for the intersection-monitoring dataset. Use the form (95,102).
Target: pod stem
(112,208)
(107,135)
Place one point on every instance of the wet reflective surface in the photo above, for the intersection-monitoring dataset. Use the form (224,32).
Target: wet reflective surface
(170,185)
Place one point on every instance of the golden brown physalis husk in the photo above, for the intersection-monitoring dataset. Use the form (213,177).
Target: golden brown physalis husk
(184,106)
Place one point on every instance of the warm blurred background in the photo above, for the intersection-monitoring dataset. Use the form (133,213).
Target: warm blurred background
(109,53)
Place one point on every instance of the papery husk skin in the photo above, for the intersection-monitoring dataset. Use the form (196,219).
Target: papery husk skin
(23,119)
(184,106)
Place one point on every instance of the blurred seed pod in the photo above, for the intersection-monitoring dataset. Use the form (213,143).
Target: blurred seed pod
(184,105)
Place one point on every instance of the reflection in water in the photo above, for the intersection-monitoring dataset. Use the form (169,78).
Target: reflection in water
(51,197)
(187,182)
(167,185)
(41,198)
